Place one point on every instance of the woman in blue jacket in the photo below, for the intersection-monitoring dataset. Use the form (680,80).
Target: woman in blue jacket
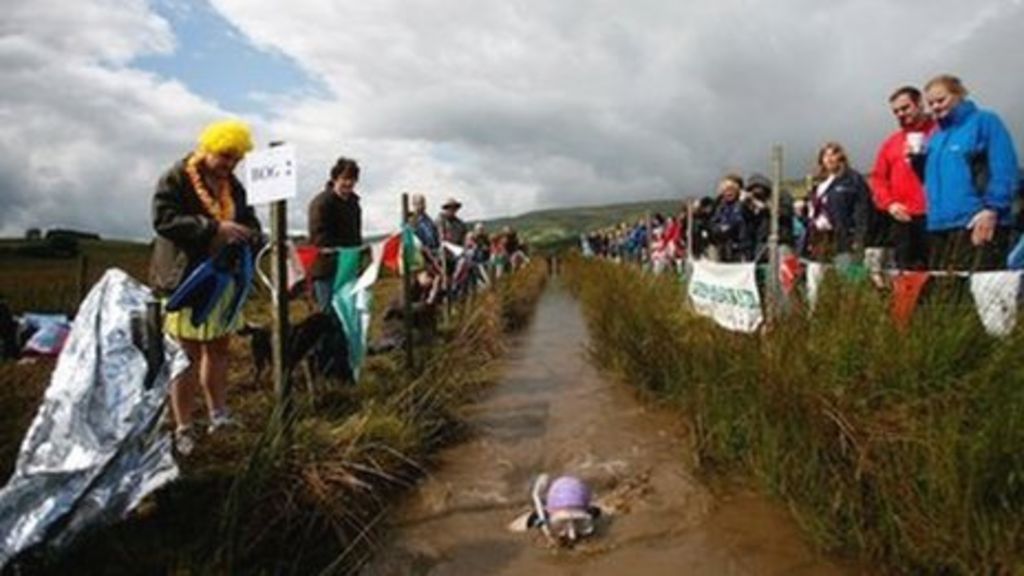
(970,175)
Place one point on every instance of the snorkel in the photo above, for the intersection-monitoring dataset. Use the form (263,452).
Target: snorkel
(562,509)
(539,485)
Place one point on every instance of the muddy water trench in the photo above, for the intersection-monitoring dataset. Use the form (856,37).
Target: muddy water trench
(552,411)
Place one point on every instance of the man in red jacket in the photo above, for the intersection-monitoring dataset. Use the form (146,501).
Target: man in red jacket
(896,187)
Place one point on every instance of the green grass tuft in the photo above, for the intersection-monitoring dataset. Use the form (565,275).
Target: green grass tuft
(899,446)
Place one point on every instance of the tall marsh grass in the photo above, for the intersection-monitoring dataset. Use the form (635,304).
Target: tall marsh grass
(310,499)
(905,447)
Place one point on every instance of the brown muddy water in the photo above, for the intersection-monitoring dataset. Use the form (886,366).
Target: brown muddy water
(553,412)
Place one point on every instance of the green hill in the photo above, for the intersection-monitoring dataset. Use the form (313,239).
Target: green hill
(562,226)
(551,227)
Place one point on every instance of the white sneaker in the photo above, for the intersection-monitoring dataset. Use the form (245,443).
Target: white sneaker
(184,440)
(220,421)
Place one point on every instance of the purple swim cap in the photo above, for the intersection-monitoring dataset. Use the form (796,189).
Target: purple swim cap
(568,492)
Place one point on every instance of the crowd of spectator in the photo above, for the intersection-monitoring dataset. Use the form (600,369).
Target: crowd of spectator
(943,194)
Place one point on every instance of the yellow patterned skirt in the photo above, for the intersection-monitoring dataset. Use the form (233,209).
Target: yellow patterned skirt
(179,323)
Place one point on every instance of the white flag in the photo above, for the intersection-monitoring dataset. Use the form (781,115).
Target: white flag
(995,298)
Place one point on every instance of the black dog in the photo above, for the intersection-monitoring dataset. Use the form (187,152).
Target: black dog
(303,340)
(259,346)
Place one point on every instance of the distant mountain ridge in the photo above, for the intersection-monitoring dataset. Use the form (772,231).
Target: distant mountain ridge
(554,226)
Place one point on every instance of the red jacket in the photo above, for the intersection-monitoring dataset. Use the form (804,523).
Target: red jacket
(893,179)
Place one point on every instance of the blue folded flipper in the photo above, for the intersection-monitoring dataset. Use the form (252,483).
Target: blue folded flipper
(243,283)
(196,289)
(205,286)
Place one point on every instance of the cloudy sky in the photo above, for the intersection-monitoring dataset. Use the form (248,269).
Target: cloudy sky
(510,105)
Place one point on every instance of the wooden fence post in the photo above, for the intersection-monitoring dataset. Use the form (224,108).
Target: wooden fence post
(83,278)
(774,292)
(410,357)
(279,321)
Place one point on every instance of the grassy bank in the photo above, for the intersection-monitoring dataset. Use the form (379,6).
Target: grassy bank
(902,447)
(256,500)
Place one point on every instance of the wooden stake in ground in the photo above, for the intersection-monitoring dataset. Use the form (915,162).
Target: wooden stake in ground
(445,279)
(774,293)
(650,241)
(690,256)
(407,288)
(83,278)
(278,226)
(279,320)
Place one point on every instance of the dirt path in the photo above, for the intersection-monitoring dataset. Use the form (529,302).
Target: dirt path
(552,411)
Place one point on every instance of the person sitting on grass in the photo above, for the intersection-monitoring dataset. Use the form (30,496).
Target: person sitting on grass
(425,294)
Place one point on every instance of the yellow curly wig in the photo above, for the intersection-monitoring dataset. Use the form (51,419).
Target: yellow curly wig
(226,136)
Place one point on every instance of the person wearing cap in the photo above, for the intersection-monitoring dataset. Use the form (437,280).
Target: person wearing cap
(198,208)
(758,202)
(970,177)
(335,221)
(895,186)
(730,231)
(454,231)
(452,228)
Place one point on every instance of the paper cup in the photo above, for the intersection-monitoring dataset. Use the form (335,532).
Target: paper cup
(915,142)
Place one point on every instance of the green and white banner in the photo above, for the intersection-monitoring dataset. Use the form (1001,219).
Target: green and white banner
(726,293)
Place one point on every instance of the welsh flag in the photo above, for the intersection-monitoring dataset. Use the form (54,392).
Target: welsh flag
(351,302)
(402,251)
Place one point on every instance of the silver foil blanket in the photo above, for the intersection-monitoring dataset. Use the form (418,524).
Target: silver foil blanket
(95,448)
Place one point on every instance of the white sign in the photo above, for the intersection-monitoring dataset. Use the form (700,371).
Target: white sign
(726,293)
(270,175)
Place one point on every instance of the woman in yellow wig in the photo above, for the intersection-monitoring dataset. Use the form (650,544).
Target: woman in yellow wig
(198,208)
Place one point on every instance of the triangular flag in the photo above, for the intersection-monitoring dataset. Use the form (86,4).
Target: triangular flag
(412,249)
(351,306)
(995,298)
(296,269)
(307,255)
(402,251)
(372,272)
(455,249)
(906,290)
(789,271)
(815,273)
(391,252)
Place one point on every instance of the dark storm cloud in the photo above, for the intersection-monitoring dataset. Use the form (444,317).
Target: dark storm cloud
(512,106)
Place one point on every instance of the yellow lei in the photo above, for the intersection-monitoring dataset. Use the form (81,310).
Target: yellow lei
(223,207)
